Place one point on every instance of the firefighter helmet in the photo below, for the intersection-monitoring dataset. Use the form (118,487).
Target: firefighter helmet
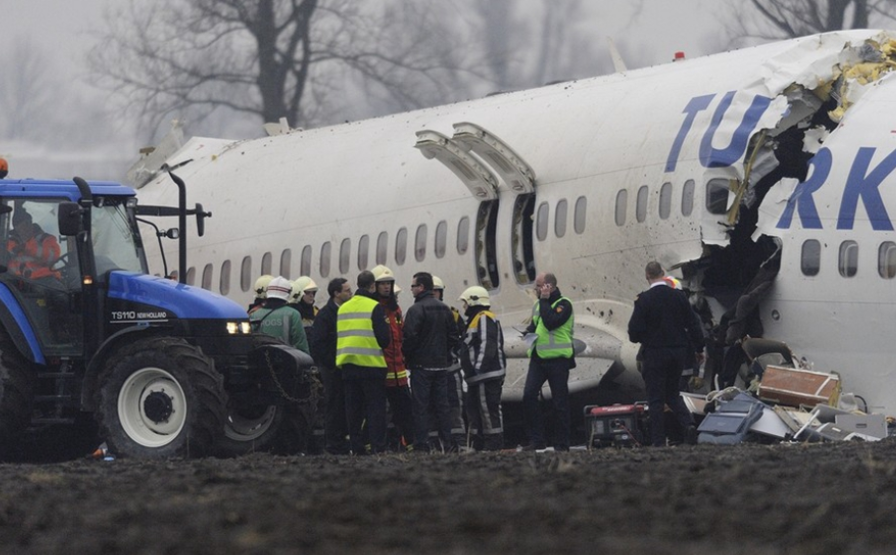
(279,288)
(261,286)
(475,296)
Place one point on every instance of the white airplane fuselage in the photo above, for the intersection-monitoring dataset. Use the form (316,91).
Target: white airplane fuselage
(693,164)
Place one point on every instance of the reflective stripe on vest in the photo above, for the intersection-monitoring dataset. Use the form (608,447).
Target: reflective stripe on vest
(554,343)
(355,340)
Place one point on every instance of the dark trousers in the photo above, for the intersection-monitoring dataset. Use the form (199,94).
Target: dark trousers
(555,371)
(455,403)
(430,388)
(365,404)
(335,423)
(662,372)
(484,412)
(402,407)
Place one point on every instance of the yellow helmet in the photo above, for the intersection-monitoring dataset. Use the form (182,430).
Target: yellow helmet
(261,286)
(382,273)
(475,296)
(300,286)
(437,283)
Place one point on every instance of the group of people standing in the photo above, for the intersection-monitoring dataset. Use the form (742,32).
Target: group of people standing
(372,356)
(376,360)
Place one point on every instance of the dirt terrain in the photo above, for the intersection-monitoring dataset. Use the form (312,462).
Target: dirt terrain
(793,499)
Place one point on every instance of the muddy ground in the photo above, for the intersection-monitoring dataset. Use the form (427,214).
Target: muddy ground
(756,499)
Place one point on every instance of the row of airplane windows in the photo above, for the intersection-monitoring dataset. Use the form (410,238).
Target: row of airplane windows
(847,259)
(247,273)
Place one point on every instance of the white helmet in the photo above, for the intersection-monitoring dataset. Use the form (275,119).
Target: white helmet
(300,286)
(475,296)
(261,286)
(437,283)
(382,273)
(279,288)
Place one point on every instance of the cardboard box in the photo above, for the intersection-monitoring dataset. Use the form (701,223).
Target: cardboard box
(795,387)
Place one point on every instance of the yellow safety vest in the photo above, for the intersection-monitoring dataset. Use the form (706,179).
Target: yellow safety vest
(556,343)
(355,340)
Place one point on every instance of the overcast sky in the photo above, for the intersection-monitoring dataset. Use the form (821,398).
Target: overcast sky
(63,30)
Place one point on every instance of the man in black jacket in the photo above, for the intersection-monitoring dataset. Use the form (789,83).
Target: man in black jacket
(666,326)
(322,340)
(430,334)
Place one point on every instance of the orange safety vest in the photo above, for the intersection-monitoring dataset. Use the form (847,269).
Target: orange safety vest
(33,258)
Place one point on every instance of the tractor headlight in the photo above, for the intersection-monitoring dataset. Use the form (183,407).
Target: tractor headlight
(234,328)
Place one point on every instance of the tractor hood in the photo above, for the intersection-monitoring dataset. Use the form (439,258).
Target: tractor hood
(183,301)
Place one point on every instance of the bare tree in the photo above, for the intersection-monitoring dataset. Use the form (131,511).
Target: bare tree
(267,58)
(777,19)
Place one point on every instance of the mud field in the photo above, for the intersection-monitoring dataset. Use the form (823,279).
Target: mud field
(793,499)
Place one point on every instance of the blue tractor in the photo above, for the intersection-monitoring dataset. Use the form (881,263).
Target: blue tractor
(158,368)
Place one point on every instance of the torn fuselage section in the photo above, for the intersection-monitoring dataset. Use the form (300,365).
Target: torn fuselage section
(747,198)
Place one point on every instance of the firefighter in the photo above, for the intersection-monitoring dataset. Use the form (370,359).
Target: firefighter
(260,289)
(4,168)
(398,390)
(274,318)
(484,365)
(301,298)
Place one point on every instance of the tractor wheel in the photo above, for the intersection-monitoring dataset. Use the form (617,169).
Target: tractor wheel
(254,428)
(278,427)
(16,390)
(161,398)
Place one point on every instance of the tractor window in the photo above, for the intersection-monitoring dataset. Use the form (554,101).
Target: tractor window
(116,243)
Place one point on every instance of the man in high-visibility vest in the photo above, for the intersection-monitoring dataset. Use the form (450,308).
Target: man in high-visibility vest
(361,335)
(551,357)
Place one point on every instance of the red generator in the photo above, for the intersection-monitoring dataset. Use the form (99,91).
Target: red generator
(618,425)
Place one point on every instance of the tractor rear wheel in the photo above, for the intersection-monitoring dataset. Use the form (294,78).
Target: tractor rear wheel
(161,397)
(16,390)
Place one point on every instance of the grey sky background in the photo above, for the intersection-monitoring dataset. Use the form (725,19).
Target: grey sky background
(65,30)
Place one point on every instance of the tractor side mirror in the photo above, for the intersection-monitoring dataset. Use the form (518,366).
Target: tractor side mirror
(69,218)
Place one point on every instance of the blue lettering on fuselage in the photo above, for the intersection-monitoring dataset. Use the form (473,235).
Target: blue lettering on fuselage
(863,182)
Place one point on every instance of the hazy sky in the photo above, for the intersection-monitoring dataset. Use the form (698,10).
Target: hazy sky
(63,30)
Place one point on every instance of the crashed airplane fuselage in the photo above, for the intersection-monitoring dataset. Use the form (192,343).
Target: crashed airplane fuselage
(776,159)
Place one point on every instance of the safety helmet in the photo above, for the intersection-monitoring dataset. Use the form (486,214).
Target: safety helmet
(300,286)
(475,296)
(437,283)
(382,273)
(396,289)
(261,286)
(279,288)
(672,282)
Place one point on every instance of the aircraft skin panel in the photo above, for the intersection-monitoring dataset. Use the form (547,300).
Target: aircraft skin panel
(642,149)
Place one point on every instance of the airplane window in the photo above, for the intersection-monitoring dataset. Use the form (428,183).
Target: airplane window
(849,258)
(305,268)
(886,260)
(363,248)
(717,196)
(285,262)
(246,277)
(224,284)
(382,244)
(578,222)
(420,243)
(621,201)
(665,200)
(324,260)
(810,259)
(641,204)
(401,246)
(191,276)
(541,222)
(560,219)
(687,197)
(266,264)
(463,235)
(207,277)
(441,238)
(345,254)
